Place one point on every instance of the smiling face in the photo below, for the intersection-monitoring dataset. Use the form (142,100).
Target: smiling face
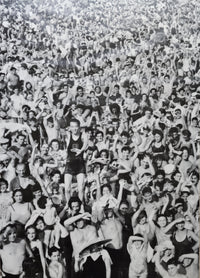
(40,225)
(21,170)
(55,256)
(3,187)
(31,234)
(55,146)
(12,235)
(74,127)
(157,138)
(162,222)
(75,207)
(18,197)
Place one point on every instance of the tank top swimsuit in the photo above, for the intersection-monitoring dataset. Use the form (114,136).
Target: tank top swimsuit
(181,246)
(74,144)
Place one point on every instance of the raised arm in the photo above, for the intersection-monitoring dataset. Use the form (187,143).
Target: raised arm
(73,219)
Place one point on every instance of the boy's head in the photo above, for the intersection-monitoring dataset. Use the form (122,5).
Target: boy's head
(172,267)
(54,254)
(43,202)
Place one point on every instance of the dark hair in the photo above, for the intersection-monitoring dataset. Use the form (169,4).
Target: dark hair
(124,202)
(42,202)
(124,133)
(160,172)
(158,131)
(174,174)
(74,200)
(99,132)
(79,88)
(20,134)
(141,215)
(125,148)
(53,250)
(54,172)
(195,173)
(186,132)
(172,261)
(162,111)
(30,227)
(54,140)
(161,215)
(17,190)
(104,151)
(4,182)
(73,120)
(159,184)
(148,109)
(139,235)
(146,190)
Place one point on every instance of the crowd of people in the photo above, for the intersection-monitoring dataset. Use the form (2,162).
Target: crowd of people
(99,138)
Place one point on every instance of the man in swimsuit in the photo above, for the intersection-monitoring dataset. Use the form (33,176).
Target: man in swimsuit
(94,261)
(76,144)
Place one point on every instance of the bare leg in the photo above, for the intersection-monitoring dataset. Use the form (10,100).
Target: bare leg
(81,182)
(57,234)
(68,182)
(108,267)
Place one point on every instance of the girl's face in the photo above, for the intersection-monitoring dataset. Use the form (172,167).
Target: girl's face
(31,234)
(185,154)
(162,222)
(143,220)
(12,235)
(3,188)
(18,197)
(37,194)
(44,148)
(55,146)
(184,196)
(104,155)
(40,225)
(194,179)
(105,191)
